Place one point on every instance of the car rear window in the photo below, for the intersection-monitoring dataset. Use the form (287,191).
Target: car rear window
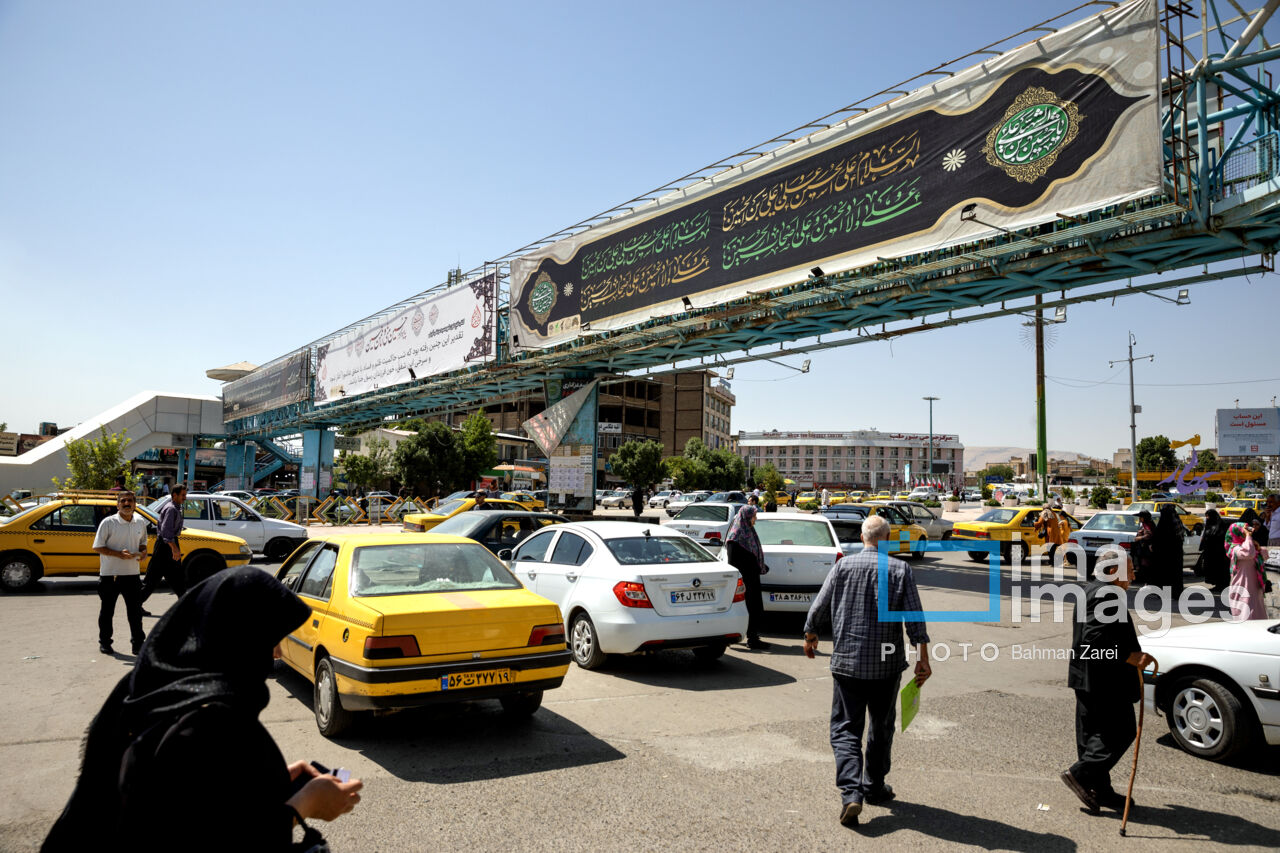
(778,531)
(426,567)
(645,550)
(698,512)
(447,507)
(999,516)
(1113,521)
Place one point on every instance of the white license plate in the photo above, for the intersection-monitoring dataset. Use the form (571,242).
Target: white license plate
(485,678)
(805,597)
(692,596)
(1098,543)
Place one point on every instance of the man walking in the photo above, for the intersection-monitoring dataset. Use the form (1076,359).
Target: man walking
(121,543)
(1104,653)
(867,660)
(167,560)
(826,498)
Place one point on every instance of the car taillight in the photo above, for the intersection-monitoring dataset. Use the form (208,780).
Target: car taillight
(1072,539)
(977,534)
(631,594)
(740,592)
(546,635)
(713,535)
(839,556)
(410,527)
(1126,545)
(380,648)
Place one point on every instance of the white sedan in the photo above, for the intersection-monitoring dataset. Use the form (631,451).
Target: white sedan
(626,587)
(706,523)
(1219,685)
(800,551)
(616,499)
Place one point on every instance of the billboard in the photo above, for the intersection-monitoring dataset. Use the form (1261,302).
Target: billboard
(268,388)
(437,334)
(1248,432)
(1066,124)
(8,444)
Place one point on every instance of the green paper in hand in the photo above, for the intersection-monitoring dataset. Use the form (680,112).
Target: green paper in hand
(910,703)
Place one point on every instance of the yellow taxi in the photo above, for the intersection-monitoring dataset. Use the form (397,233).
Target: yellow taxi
(781,497)
(857,497)
(881,496)
(525,499)
(899,525)
(421,522)
(1013,528)
(401,621)
(1191,521)
(1236,506)
(839,497)
(55,538)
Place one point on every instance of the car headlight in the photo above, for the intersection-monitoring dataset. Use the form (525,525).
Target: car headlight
(246,550)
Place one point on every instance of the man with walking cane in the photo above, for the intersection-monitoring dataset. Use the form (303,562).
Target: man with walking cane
(1105,664)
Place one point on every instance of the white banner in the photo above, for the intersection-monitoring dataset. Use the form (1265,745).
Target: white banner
(1249,432)
(435,335)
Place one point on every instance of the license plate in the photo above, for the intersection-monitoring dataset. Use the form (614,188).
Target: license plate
(1097,543)
(484,678)
(692,596)
(791,596)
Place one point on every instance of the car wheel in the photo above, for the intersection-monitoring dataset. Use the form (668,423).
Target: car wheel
(19,572)
(919,555)
(331,718)
(979,556)
(585,643)
(521,704)
(1208,720)
(1015,552)
(278,549)
(709,653)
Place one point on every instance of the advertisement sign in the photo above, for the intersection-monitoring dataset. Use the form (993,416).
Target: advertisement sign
(8,444)
(1065,124)
(610,428)
(440,333)
(268,388)
(1248,432)
(556,424)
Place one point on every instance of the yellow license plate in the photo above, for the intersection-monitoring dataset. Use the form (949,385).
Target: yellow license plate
(484,678)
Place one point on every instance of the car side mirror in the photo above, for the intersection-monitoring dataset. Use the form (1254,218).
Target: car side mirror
(504,554)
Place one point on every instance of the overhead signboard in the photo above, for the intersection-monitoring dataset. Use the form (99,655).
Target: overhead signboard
(1249,432)
(270,387)
(437,334)
(8,444)
(1063,125)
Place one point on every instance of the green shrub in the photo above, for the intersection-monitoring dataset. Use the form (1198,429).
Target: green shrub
(1212,497)
(1100,497)
(991,503)
(1068,493)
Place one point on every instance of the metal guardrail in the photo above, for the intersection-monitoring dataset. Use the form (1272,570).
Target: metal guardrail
(1247,166)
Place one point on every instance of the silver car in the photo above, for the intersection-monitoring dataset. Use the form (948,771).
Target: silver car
(929,518)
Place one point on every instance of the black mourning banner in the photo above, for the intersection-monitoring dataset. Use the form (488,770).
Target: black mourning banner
(903,178)
(268,388)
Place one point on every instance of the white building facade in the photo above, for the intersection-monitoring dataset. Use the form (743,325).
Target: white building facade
(863,459)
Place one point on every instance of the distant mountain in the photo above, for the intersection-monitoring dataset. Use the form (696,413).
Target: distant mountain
(977,458)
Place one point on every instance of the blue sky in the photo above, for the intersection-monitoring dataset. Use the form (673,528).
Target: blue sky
(186,185)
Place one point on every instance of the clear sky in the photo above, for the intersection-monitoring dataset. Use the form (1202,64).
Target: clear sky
(186,185)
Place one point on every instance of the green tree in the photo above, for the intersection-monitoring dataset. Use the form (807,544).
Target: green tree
(1003,472)
(95,463)
(687,474)
(1156,454)
(477,446)
(768,479)
(727,471)
(371,469)
(1099,497)
(430,463)
(638,463)
(1206,460)
(4,427)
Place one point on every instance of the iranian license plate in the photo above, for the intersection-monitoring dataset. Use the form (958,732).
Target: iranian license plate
(484,678)
(692,596)
(1098,543)
(791,596)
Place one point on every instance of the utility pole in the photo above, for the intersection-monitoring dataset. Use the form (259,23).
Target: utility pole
(1042,442)
(1133,419)
(929,472)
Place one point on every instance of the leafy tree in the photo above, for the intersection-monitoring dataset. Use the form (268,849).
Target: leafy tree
(1003,472)
(700,467)
(687,474)
(4,427)
(638,463)
(768,478)
(1156,454)
(372,469)
(1099,497)
(1206,460)
(727,470)
(1090,472)
(429,463)
(477,446)
(95,463)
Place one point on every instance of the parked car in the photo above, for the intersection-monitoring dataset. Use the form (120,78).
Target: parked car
(733,497)
(937,527)
(617,499)
(706,523)
(1192,522)
(387,630)
(1105,530)
(675,506)
(1236,506)
(224,514)
(55,538)
(421,522)
(498,530)
(626,587)
(526,499)
(899,525)
(239,494)
(662,498)
(1013,528)
(971,495)
(923,493)
(1219,686)
(800,551)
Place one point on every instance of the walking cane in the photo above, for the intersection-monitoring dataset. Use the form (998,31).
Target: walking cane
(1137,742)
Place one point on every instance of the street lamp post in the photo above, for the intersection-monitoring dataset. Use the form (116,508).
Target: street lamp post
(1133,419)
(929,470)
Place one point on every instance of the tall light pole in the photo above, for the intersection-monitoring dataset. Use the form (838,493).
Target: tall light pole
(929,470)
(1133,419)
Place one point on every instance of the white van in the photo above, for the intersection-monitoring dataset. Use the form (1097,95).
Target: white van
(224,514)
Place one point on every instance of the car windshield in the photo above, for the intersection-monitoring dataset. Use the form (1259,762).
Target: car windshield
(16,516)
(1112,521)
(699,512)
(463,524)
(448,507)
(787,531)
(426,567)
(999,516)
(645,550)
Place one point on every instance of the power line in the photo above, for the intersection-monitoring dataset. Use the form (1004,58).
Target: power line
(1089,383)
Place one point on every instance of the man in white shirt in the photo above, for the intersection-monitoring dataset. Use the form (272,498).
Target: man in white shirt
(121,543)
(826,498)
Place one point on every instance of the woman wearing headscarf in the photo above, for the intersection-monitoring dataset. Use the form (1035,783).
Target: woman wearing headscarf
(1215,568)
(1166,550)
(1143,558)
(177,759)
(1245,594)
(745,554)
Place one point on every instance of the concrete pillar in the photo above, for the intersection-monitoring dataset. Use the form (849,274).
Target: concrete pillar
(316,476)
(240,465)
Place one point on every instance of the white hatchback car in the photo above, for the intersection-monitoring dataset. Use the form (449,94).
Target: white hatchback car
(225,514)
(626,587)
(800,551)
(706,523)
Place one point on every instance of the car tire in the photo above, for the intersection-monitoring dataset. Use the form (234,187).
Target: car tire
(19,572)
(919,555)
(331,718)
(521,704)
(584,642)
(979,556)
(1207,720)
(707,654)
(1015,552)
(278,549)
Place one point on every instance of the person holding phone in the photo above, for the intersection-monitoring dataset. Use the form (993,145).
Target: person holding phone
(177,759)
(121,546)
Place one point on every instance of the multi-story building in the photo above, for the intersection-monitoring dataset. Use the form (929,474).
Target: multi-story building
(864,459)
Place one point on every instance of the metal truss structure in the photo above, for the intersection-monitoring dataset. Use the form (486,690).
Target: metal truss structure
(1219,208)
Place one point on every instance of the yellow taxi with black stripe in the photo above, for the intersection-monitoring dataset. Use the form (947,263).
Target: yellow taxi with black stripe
(55,538)
(839,497)
(405,620)
(421,522)
(908,535)
(525,499)
(1012,528)
(1236,506)
(1191,521)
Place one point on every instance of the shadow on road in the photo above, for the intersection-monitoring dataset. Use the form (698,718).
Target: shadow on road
(465,742)
(1264,761)
(679,670)
(1192,824)
(962,829)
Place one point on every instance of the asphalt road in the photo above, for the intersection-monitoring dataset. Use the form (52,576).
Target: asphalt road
(661,753)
